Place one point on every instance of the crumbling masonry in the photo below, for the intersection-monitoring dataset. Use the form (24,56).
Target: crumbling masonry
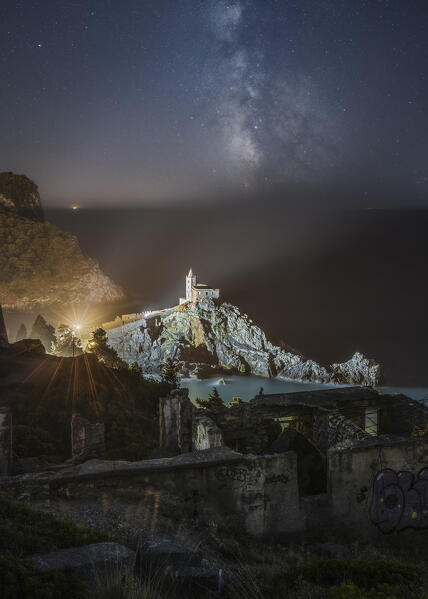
(300,464)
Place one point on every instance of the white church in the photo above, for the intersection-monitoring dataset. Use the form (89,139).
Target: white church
(197,291)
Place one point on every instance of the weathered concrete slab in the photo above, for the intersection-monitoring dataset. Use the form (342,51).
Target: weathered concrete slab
(87,439)
(159,550)
(206,434)
(88,561)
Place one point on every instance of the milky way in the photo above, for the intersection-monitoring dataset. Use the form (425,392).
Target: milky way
(143,102)
(273,122)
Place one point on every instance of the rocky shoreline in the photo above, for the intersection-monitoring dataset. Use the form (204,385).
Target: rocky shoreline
(212,337)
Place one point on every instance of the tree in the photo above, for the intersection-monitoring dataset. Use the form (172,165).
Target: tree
(135,369)
(22,332)
(98,345)
(214,401)
(170,373)
(236,401)
(43,331)
(66,343)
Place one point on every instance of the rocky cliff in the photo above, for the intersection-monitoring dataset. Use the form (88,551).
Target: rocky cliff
(212,337)
(40,264)
(20,195)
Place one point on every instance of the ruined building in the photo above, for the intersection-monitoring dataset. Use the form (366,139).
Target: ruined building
(299,465)
(350,458)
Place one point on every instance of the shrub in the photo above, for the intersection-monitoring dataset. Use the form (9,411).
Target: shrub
(356,579)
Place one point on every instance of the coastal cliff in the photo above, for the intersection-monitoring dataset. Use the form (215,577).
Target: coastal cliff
(211,337)
(40,264)
(20,195)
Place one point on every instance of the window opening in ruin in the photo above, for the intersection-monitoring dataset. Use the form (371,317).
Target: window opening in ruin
(286,422)
(371,422)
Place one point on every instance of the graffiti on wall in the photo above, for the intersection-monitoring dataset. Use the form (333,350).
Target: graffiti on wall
(229,473)
(277,478)
(362,495)
(400,500)
(238,476)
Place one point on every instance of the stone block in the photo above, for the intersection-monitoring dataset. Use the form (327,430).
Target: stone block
(87,439)
(206,434)
(175,422)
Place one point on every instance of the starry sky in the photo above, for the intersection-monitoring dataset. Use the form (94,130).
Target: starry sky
(156,101)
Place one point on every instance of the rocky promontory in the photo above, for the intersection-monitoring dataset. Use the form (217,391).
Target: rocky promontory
(40,264)
(211,337)
(20,195)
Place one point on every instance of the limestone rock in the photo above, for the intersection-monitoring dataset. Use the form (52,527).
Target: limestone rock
(357,370)
(210,337)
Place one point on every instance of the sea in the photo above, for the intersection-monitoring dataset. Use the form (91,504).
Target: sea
(325,282)
(246,387)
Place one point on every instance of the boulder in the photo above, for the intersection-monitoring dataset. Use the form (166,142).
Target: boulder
(89,561)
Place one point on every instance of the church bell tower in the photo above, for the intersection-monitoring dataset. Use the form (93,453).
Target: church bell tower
(190,281)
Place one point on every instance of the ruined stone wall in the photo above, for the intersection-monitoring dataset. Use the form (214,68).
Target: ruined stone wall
(332,428)
(250,429)
(403,417)
(379,486)
(255,494)
(206,434)
(5,441)
(3,332)
(375,487)
(175,422)
(87,439)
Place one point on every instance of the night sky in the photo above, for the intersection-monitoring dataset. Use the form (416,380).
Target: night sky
(118,102)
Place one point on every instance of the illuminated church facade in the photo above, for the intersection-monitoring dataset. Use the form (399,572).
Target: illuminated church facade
(197,291)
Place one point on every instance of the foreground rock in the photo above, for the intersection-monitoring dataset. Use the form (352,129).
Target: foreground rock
(211,337)
(40,264)
(90,561)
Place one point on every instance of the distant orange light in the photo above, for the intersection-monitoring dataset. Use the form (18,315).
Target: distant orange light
(75,207)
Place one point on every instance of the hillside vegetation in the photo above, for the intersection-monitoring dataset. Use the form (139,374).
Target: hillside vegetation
(44,391)
(19,194)
(40,264)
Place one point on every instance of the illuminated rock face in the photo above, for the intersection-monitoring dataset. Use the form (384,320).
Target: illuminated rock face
(40,264)
(210,337)
(21,195)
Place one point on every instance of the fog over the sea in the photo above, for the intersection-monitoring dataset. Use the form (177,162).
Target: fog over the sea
(327,282)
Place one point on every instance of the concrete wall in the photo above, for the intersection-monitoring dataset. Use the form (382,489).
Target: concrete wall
(175,422)
(256,494)
(5,441)
(87,439)
(3,333)
(377,487)
(122,320)
(205,433)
